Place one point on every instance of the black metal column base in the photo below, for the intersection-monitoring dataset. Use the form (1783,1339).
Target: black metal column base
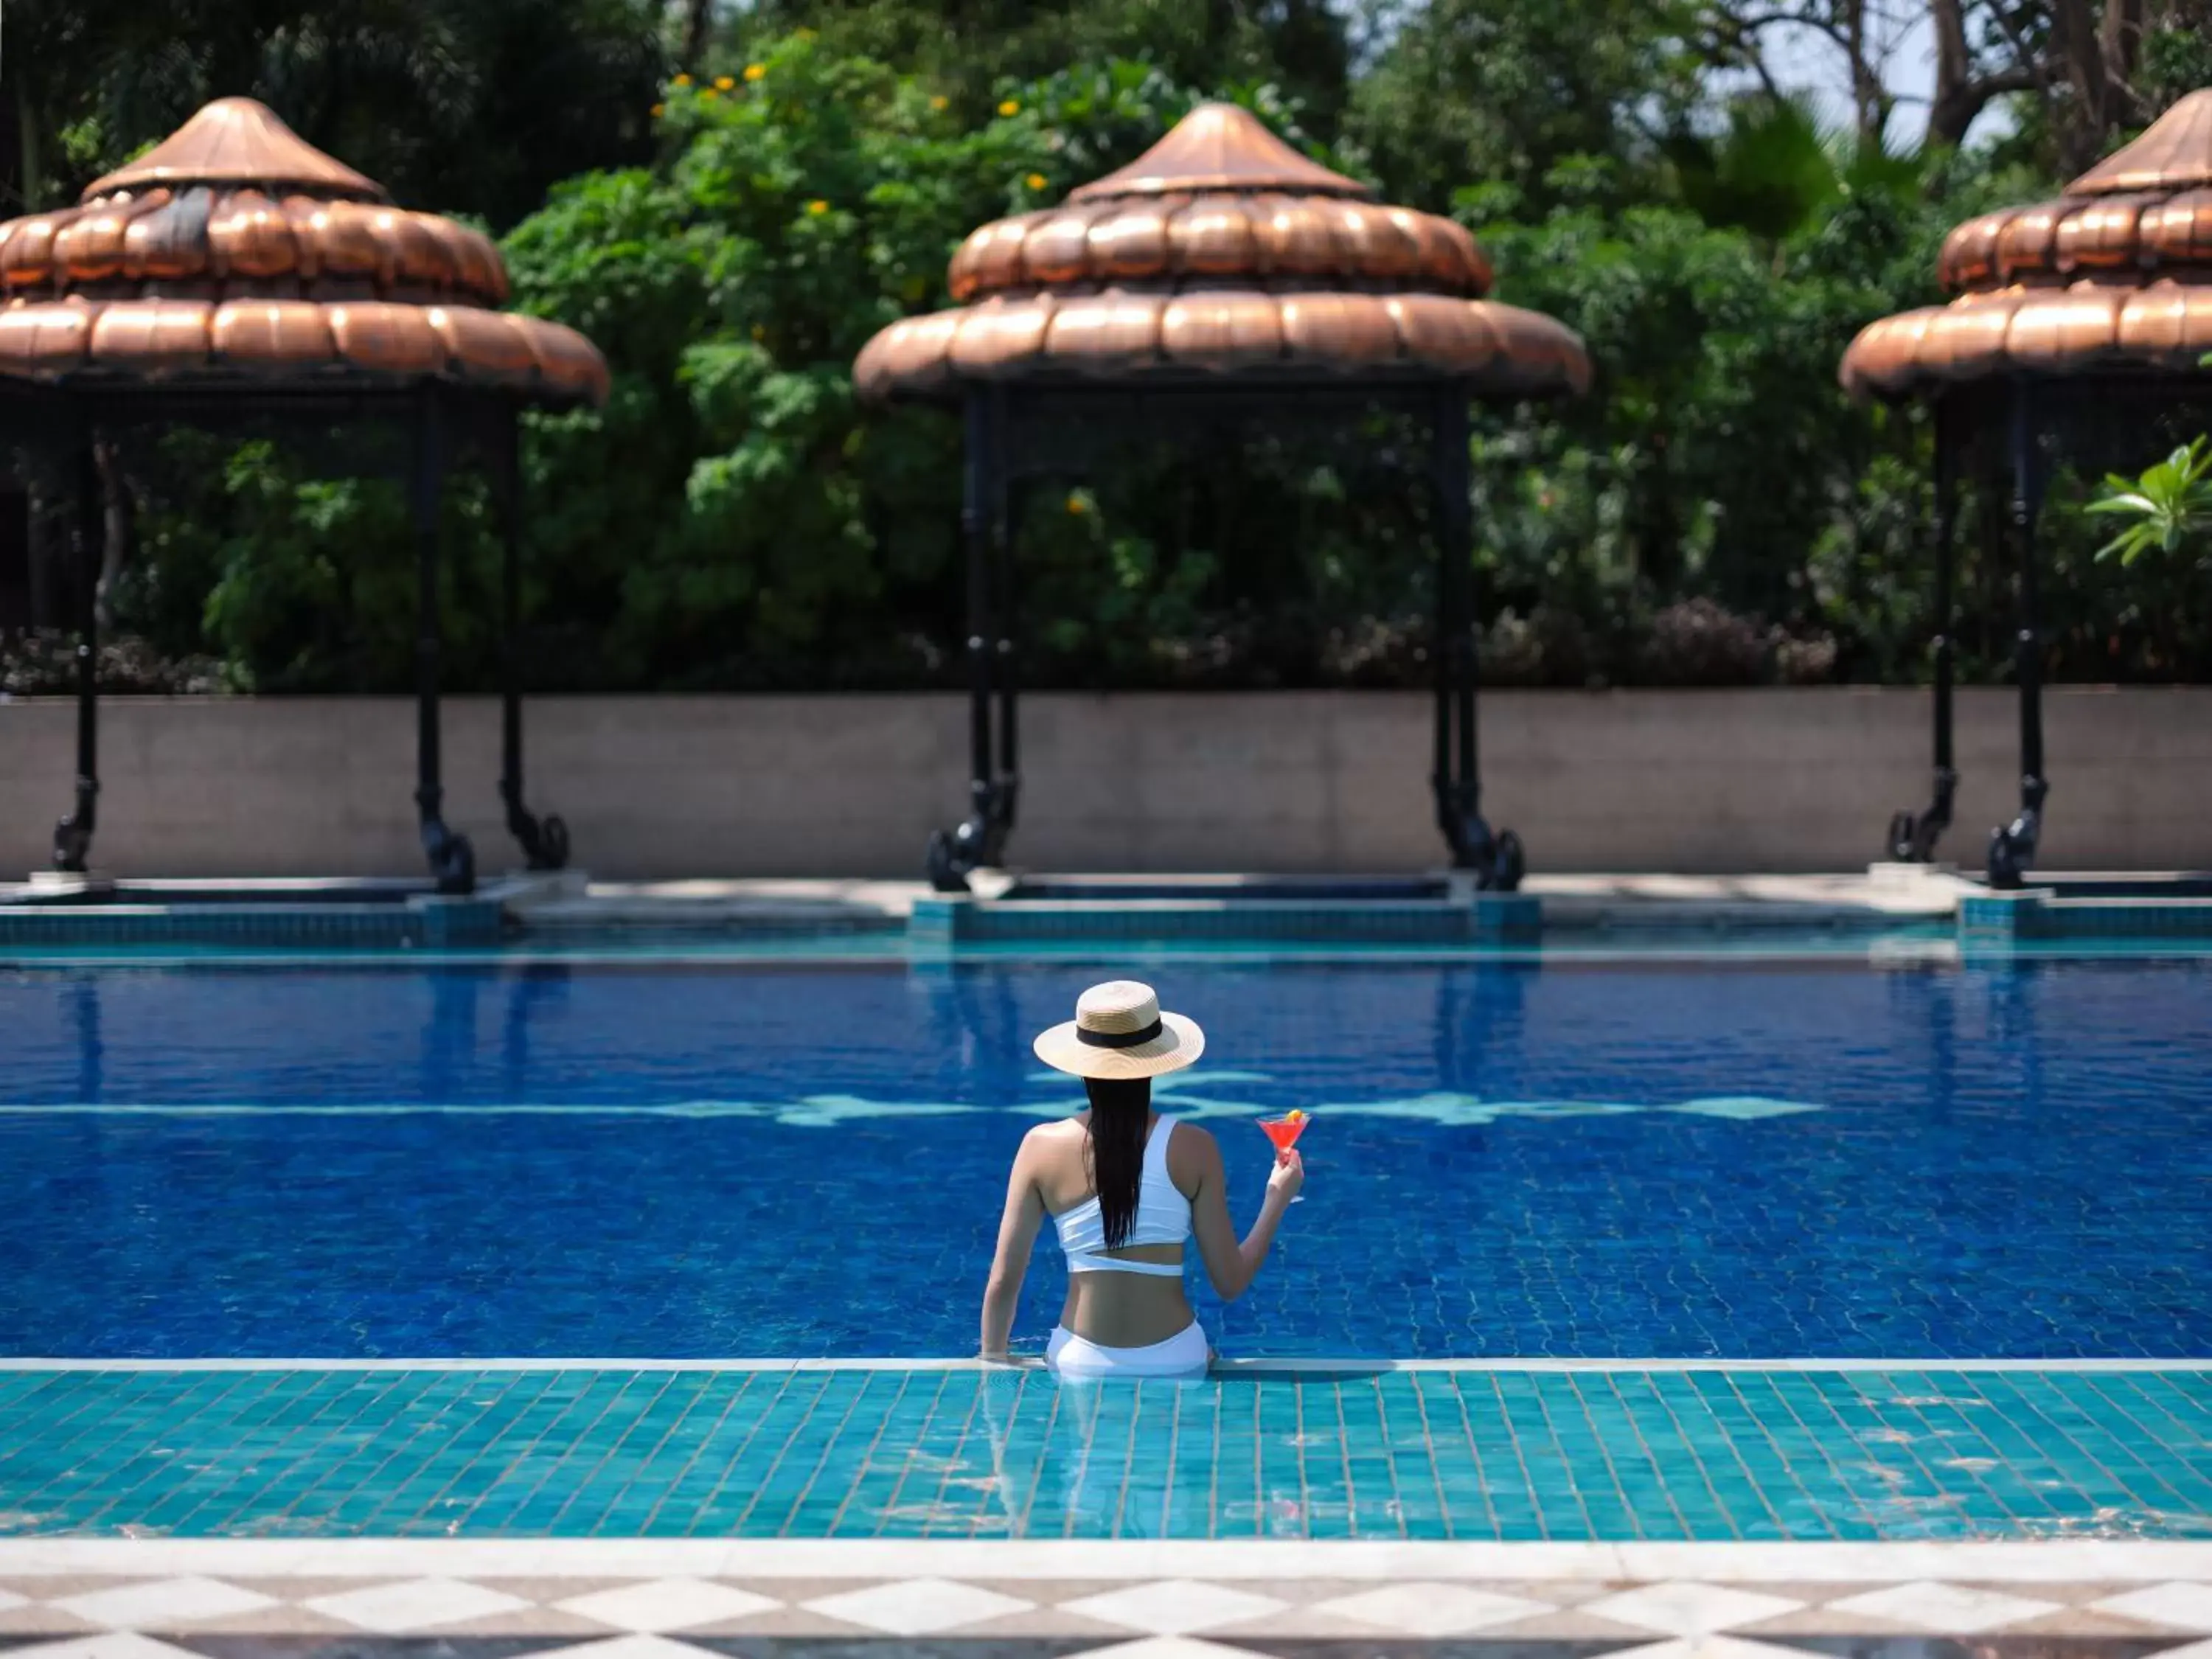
(1498,860)
(545,842)
(2012,848)
(1912,840)
(73,835)
(453,861)
(979,843)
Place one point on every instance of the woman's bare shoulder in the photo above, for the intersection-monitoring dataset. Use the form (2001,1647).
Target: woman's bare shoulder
(1044,1138)
(1191,1145)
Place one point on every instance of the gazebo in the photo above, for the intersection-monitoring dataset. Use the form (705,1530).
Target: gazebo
(2079,322)
(1224,279)
(235,277)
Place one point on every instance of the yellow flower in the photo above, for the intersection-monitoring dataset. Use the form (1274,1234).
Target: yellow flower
(659,109)
(723,84)
(939,102)
(818,207)
(683,80)
(1010,107)
(1035,181)
(708,92)
(1077,505)
(756,71)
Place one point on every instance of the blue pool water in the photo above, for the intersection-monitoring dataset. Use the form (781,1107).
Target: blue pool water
(1658,1159)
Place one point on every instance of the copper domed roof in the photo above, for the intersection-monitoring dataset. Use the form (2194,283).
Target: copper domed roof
(235,250)
(1221,251)
(2117,273)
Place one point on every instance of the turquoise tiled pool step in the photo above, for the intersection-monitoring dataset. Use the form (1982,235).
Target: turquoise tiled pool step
(1436,913)
(1609,1453)
(419,920)
(1488,918)
(2000,918)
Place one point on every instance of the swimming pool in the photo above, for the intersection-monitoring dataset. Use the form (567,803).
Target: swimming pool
(1668,1159)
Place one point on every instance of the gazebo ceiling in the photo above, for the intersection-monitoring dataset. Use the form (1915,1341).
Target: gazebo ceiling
(1221,252)
(235,253)
(2116,274)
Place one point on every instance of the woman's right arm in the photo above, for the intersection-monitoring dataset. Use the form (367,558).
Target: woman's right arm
(1231,1265)
(1017,1230)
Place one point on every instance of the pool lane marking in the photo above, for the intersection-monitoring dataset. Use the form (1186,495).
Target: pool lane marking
(1437,1108)
(1224,1370)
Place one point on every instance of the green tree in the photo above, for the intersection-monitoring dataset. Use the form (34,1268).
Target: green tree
(1502,93)
(469,105)
(969,49)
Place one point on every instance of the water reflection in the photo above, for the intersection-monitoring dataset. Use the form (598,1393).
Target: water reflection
(538,989)
(83,1000)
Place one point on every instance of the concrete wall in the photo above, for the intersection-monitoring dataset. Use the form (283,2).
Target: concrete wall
(1682,781)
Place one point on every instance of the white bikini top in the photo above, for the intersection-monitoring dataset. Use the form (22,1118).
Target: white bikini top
(1163,1217)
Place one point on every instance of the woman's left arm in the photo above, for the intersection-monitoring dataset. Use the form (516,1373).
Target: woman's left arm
(1017,1232)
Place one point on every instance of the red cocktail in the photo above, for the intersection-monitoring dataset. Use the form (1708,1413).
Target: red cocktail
(1283,1132)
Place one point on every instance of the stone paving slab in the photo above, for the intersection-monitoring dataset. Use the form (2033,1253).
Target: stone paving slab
(700,1599)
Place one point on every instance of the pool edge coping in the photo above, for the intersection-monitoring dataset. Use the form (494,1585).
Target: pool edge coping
(1227,1367)
(2007,1560)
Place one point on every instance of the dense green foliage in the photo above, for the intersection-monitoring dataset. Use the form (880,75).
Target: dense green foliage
(471,106)
(1715,512)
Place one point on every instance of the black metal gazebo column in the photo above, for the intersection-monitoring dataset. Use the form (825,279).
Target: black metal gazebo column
(2012,848)
(73,835)
(544,840)
(1498,862)
(452,859)
(980,841)
(1912,840)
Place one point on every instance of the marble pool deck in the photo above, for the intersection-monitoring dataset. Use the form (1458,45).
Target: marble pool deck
(703,1599)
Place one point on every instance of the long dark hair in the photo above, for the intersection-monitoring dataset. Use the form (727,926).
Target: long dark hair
(1114,1149)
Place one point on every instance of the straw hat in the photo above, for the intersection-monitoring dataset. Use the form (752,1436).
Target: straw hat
(1119,1031)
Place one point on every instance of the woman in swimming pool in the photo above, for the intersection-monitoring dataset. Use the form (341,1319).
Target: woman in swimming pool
(1125,1187)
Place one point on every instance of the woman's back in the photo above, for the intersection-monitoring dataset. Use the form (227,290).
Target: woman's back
(1130,1296)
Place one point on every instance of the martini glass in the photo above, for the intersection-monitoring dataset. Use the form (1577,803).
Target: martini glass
(1285,1133)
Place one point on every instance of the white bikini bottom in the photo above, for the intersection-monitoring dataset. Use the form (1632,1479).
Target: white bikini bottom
(1078,1359)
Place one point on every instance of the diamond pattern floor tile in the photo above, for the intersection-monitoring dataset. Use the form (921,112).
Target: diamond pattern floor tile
(2182,1606)
(164,1603)
(1949,1609)
(917,1606)
(624,1647)
(667,1604)
(1689,1609)
(109,1644)
(1710,1646)
(416,1604)
(1422,1609)
(1175,1606)
(1168,1647)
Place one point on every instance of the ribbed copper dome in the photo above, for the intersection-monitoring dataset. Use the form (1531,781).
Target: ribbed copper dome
(234,249)
(2117,273)
(1221,251)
